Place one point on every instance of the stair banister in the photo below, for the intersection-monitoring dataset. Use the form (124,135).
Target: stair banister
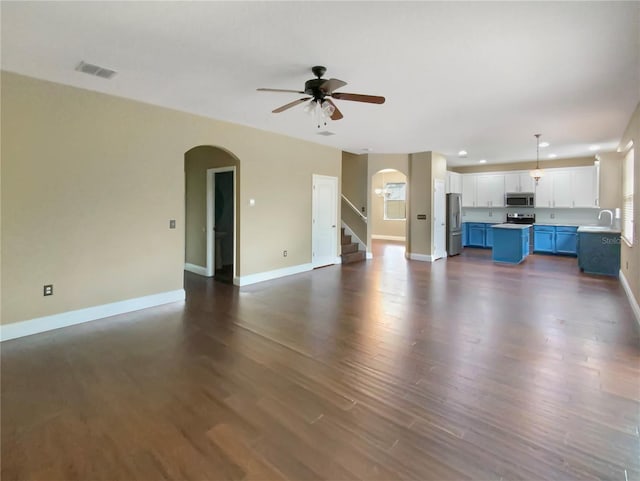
(357,211)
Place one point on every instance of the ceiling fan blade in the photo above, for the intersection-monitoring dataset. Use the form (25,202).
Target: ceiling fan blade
(336,115)
(332,84)
(289,105)
(371,99)
(280,90)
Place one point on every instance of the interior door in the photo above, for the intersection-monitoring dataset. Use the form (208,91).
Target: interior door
(439,220)
(324,221)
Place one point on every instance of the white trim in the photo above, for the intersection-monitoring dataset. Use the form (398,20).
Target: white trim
(210,269)
(361,245)
(269,275)
(632,299)
(389,237)
(420,257)
(200,270)
(338,260)
(70,318)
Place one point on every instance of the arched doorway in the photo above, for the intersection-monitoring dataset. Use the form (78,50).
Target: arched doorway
(212,212)
(389,206)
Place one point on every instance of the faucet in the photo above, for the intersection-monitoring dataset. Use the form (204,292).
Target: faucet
(610,216)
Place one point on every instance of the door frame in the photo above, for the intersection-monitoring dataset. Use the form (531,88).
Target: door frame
(315,177)
(443,251)
(211,179)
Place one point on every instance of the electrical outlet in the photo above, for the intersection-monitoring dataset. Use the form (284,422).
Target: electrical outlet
(284,253)
(490,214)
(552,215)
(48,290)
(172,224)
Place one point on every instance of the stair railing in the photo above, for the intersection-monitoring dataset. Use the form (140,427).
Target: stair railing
(355,209)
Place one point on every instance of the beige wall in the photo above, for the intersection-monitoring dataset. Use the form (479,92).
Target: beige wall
(196,163)
(420,193)
(380,226)
(424,169)
(354,180)
(610,190)
(547,164)
(630,256)
(90,181)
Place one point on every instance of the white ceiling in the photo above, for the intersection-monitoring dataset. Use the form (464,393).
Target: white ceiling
(483,77)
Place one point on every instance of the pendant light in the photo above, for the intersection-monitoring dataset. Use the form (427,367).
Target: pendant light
(537,173)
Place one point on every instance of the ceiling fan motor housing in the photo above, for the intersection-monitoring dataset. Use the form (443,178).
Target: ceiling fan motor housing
(312,87)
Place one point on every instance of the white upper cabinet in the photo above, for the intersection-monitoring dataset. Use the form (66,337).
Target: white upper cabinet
(490,190)
(562,192)
(527,183)
(584,182)
(544,191)
(518,182)
(559,188)
(573,187)
(454,183)
(468,190)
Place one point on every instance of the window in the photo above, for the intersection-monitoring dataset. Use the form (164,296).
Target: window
(627,198)
(395,205)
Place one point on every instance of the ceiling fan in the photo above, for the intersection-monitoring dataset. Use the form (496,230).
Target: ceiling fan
(319,90)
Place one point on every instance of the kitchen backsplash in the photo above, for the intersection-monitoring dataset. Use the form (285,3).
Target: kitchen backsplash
(545,216)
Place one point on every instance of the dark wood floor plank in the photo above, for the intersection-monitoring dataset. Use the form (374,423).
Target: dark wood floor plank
(381,370)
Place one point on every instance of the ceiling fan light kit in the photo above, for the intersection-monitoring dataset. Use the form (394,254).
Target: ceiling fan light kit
(320,92)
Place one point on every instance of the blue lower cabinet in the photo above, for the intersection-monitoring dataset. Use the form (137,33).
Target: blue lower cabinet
(567,240)
(544,238)
(553,239)
(476,234)
(599,253)
(488,237)
(465,237)
(510,245)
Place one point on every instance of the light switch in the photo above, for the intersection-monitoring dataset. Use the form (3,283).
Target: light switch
(172,224)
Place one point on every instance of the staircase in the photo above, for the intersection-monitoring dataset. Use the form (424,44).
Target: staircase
(350,252)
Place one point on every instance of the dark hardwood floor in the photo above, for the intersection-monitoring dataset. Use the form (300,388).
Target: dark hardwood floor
(383,370)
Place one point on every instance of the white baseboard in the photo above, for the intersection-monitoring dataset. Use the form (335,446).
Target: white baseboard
(202,271)
(420,257)
(269,275)
(389,237)
(632,300)
(70,318)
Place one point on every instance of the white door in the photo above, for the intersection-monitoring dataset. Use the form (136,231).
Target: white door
(324,221)
(439,220)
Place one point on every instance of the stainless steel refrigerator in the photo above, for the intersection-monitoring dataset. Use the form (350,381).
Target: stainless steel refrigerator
(454,224)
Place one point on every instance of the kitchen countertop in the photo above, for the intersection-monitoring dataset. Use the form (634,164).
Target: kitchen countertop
(511,226)
(598,229)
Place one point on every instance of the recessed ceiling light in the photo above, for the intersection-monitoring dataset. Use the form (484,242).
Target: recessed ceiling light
(462,153)
(593,148)
(544,144)
(483,161)
(552,156)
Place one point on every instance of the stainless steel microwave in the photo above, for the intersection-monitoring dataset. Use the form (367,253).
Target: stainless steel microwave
(520,199)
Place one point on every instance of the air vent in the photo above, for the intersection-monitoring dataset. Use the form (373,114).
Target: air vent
(326,133)
(95,70)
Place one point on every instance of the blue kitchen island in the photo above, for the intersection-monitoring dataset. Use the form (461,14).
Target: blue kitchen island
(510,243)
